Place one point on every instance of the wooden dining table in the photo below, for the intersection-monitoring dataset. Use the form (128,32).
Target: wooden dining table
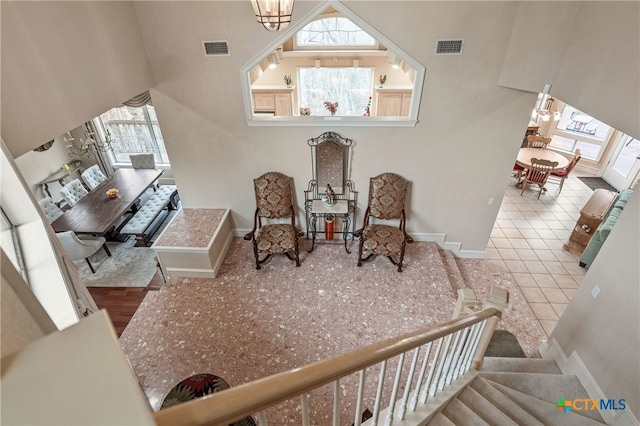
(96,213)
(526,154)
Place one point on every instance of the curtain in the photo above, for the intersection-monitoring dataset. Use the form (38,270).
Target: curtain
(141,100)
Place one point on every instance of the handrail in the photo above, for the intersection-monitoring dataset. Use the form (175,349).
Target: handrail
(238,402)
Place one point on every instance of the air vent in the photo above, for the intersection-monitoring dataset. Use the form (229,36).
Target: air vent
(449,47)
(216,48)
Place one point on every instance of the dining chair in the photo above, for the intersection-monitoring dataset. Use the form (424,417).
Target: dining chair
(142,161)
(93,176)
(78,249)
(562,174)
(538,174)
(534,141)
(50,209)
(387,193)
(73,192)
(273,192)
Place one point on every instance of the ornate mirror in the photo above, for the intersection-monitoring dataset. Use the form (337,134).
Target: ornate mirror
(330,162)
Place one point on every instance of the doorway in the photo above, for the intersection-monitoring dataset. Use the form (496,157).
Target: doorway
(622,169)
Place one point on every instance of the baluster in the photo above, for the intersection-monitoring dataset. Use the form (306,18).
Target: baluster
(304,401)
(358,420)
(336,403)
(465,353)
(475,345)
(403,405)
(262,419)
(436,377)
(423,369)
(455,362)
(376,407)
(427,385)
(394,391)
(447,360)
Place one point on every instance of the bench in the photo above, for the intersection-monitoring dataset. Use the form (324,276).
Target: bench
(147,219)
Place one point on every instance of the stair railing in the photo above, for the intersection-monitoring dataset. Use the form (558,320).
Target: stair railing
(445,353)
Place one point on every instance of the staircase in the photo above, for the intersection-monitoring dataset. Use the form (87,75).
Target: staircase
(517,391)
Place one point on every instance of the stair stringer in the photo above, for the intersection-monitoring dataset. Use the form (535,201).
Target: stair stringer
(434,405)
(573,365)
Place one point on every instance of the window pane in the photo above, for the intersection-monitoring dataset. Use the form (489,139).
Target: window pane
(349,87)
(134,130)
(333,32)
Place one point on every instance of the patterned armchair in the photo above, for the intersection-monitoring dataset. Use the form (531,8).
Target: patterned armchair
(387,193)
(274,201)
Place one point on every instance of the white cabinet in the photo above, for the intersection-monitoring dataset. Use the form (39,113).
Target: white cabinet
(278,101)
(393,102)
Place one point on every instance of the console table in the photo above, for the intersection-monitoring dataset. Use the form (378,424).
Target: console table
(590,217)
(318,211)
(60,175)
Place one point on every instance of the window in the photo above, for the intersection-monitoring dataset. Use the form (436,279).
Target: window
(349,87)
(333,32)
(577,130)
(134,130)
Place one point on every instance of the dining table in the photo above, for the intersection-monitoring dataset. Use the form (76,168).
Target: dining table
(526,154)
(97,213)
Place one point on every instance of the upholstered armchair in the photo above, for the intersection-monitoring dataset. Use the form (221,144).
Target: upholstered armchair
(73,192)
(387,193)
(93,176)
(78,249)
(273,191)
(50,209)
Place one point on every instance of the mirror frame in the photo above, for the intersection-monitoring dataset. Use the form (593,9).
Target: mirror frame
(334,121)
(345,145)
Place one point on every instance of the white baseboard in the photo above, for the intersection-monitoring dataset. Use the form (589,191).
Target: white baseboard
(573,365)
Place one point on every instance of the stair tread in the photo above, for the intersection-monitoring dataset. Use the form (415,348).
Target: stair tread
(520,365)
(440,419)
(460,414)
(505,404)
(484,408)
(547,412)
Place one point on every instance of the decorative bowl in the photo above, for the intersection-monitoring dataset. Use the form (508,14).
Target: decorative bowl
(112,193)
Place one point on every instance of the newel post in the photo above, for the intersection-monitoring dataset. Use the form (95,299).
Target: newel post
(499,299)
(465,303)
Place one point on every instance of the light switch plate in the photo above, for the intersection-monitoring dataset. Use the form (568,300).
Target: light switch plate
(595,292)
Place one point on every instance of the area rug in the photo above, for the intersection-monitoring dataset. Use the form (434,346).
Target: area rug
(128,266)
(596,182)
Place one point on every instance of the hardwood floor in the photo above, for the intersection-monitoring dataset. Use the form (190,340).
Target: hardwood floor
(122,302)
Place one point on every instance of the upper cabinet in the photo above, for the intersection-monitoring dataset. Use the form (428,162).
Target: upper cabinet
(278,101)
(393,102)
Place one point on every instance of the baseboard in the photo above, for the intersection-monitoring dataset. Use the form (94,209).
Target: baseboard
(573,365)
(174,273)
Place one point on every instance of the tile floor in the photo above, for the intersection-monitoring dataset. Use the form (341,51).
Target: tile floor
(527,241)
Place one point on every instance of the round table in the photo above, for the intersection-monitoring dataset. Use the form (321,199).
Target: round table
(526,154)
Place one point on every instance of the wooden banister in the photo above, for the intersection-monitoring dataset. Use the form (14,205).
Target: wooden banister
(238,402)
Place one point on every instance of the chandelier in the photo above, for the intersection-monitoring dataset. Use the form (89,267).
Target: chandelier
(274,15)
(87,145)
(546,113)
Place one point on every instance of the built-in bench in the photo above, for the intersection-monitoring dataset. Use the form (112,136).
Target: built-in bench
(149,217)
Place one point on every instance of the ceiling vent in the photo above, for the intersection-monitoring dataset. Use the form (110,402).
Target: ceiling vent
(216,48)
(449,47)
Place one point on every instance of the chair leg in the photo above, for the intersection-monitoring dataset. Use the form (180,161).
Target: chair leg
(106,249)
(90,266)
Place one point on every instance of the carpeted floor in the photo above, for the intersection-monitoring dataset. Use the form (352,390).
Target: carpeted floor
(596,182)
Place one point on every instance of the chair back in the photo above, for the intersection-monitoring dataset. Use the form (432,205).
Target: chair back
(50,209)
(534,141)
(73,192)
(273,195)
(142,161)
(387,193)
(93,176)
(540,170)
(574,161)
(74,247)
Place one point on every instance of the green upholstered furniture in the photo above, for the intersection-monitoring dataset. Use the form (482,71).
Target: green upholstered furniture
(601,234)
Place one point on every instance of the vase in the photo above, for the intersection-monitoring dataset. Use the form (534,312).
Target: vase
(328,228)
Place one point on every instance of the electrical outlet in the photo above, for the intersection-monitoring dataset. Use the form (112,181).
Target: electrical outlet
(595,292)
(490,202)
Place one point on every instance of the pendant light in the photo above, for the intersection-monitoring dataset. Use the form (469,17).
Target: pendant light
(274,15)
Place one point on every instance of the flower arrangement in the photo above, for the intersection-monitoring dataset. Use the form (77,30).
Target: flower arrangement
(332,107)
(112,193)
(367,110)
(287,79)
(382,79)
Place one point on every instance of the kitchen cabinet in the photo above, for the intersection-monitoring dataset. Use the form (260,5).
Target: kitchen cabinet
(393,102)
(278,101)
